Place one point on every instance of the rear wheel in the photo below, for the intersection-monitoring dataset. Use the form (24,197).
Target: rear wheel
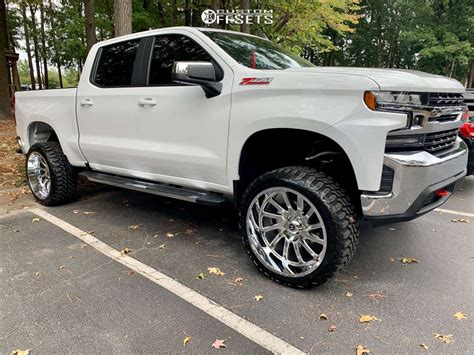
(50,176)
(298,226)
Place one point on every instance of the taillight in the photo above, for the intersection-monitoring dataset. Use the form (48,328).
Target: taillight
(467,130)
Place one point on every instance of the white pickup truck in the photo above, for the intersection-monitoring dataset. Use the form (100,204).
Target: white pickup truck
(212,116)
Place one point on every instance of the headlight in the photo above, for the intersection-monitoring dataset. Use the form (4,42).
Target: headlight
(393,101)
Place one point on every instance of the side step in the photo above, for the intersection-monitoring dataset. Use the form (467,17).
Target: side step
(204,198)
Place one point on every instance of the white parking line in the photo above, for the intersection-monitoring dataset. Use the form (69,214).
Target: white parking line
(465,214)
(244,327)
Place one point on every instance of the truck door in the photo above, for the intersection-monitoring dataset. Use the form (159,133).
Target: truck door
(182,135)
(106,107)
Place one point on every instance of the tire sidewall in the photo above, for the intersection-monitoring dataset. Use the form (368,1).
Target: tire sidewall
(332,229)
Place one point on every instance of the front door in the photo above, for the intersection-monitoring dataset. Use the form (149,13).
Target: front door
(182,134)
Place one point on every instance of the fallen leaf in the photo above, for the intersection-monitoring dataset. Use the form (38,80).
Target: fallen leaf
(37,273)
(444,338)
(200,276)
(186,340)
(71,257)
(162,246)
(83,246)
(459,315)
(376,296)
(189,231)
(322,316)
(367,318)
(62,267)
(34,220)
(408,260)
(133,226)
(90,232)
(348,294)
(332,328)
(361,350)
(258,298)
(125,251)
(75,211)
(239,280)
(215,271)
(170,235)
(424,346)
(130,272)
(20,352)
(219,344)
(460,220)
(88,212)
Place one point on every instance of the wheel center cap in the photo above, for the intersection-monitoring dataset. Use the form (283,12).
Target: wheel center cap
(294,227)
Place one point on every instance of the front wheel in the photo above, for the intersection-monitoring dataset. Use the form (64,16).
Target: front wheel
(298,226)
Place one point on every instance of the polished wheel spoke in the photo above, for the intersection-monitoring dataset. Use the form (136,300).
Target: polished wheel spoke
(276,205)
(313,238)
(288,204)
(276,240)
(272,227)
(272,215)
(296,247)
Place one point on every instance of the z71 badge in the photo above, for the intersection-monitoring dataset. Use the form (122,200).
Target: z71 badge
(256,81)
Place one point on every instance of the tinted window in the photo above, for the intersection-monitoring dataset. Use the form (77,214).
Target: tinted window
(116,62)
(257,53)
(168,49)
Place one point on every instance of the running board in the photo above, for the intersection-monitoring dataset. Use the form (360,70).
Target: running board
(204,198)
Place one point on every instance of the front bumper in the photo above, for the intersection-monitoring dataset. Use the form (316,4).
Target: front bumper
(417,177)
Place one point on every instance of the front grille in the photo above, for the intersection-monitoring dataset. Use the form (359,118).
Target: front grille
(437,141)
(444,118)
(437,99)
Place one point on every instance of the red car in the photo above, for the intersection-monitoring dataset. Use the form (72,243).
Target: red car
(466,132)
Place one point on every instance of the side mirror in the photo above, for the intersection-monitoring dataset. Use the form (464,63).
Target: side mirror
(197,73)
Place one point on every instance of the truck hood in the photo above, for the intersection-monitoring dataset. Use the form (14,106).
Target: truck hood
(394,79)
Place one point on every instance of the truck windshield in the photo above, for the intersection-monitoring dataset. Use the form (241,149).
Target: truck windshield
(256,53)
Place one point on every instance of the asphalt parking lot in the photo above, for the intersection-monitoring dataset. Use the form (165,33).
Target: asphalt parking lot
(60,294)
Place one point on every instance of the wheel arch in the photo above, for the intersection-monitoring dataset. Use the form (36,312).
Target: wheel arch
(303,147)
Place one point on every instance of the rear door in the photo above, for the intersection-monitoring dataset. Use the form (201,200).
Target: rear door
(107,107)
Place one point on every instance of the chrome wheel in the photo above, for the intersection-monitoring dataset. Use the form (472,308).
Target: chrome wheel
(39,176)
(286,232)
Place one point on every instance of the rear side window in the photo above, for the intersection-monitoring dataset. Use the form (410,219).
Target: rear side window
(168,49)
(116,63)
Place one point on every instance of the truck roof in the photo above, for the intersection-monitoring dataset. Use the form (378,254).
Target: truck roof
(157,31)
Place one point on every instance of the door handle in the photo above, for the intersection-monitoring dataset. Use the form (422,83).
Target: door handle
(147,102)
(86,102)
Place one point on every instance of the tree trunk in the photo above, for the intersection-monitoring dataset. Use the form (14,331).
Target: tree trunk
(27,45)
(470,78)
(215,5)
(174,15)
(122,17)
(187,13)
(36,46)
(91,39)
(245,5)
(196,15)
(5,110)
(43,48)
(52,32)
